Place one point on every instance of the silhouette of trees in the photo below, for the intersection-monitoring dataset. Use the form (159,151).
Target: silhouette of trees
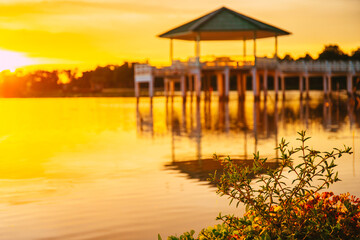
(307,57)
(287,57)
(65,82)
(356,55)
(332,53)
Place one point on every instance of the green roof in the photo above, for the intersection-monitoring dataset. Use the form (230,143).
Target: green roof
(224,24)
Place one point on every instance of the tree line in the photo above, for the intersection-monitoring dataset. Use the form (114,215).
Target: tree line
(329,53)
(68,82)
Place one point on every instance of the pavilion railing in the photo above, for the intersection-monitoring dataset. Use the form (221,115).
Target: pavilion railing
(180,68)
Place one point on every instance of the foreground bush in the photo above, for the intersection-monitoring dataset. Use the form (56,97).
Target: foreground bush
(280,210)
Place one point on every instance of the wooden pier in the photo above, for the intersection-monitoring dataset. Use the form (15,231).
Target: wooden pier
(195,78)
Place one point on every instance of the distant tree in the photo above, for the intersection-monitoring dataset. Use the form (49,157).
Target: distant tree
(287,57)
(332,53)
(356,55)
(307,57)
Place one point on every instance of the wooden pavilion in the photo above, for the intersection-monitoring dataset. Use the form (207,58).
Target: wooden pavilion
(225,24)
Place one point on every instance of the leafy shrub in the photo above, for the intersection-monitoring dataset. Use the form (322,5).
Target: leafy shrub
(276,210)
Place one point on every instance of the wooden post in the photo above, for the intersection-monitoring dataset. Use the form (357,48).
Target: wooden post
(244,51)
(255,48)
(329,83)
(239,85)
(307,87)
(191,86)
(220,85)
(349,84)
(276,47)
(171,51)
(301,88)
(151,87)
(283,85)
(183,85)
(325,87)
(172,87)
(265,83)
(227,82)
(276,84)
(197,49)
(243,79)
(166,87)
(198,83)
(137,89)
(255,83)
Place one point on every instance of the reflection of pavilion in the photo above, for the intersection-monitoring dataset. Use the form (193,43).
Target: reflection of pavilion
(249,122)
(225,24)
(201,169)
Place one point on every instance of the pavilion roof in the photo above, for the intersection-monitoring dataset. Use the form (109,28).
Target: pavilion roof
(224,24)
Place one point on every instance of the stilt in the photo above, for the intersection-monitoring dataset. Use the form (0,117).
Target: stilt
(137,89)
(151,87)
(276,84)
(191,86)
(183,86)
(265,83)
(239,85)
(329,84)
(227,82)
(166,87)
(283,85)
(172,87)
(325,86)
(301,88)
(220,85)
(307,87)
(198,84)
(349,84)
(243,86)
(255,84)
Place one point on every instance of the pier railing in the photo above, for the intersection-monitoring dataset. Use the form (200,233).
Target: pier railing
(320,66)
(179,67)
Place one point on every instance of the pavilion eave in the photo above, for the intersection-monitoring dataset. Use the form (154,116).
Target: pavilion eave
(222,35)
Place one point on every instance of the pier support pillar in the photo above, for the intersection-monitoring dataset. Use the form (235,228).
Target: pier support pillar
(283,85)
(255,84)
(137,89)
(265,83)
(276,84)
(239,85)
(220,85)
(227,82)
(349,84)
(198,84)
(166,87)
(191,86)
(151,87)
(301,86)
(172,87)
(329,84)
(183,85)
(325,85)
(307,87)
(243,86)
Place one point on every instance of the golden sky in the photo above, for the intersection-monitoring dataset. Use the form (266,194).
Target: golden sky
(92,32)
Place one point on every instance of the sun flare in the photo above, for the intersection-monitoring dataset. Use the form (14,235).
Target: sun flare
(12,60)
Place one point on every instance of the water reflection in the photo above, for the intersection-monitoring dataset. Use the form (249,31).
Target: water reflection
(249,121)
(201,169)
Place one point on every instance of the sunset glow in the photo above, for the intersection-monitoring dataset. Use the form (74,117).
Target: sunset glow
(13,60)
(94,32)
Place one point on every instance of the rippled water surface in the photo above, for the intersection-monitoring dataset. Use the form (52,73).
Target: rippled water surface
(109,168)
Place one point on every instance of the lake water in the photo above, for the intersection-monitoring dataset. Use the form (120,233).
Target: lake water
(109,168)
